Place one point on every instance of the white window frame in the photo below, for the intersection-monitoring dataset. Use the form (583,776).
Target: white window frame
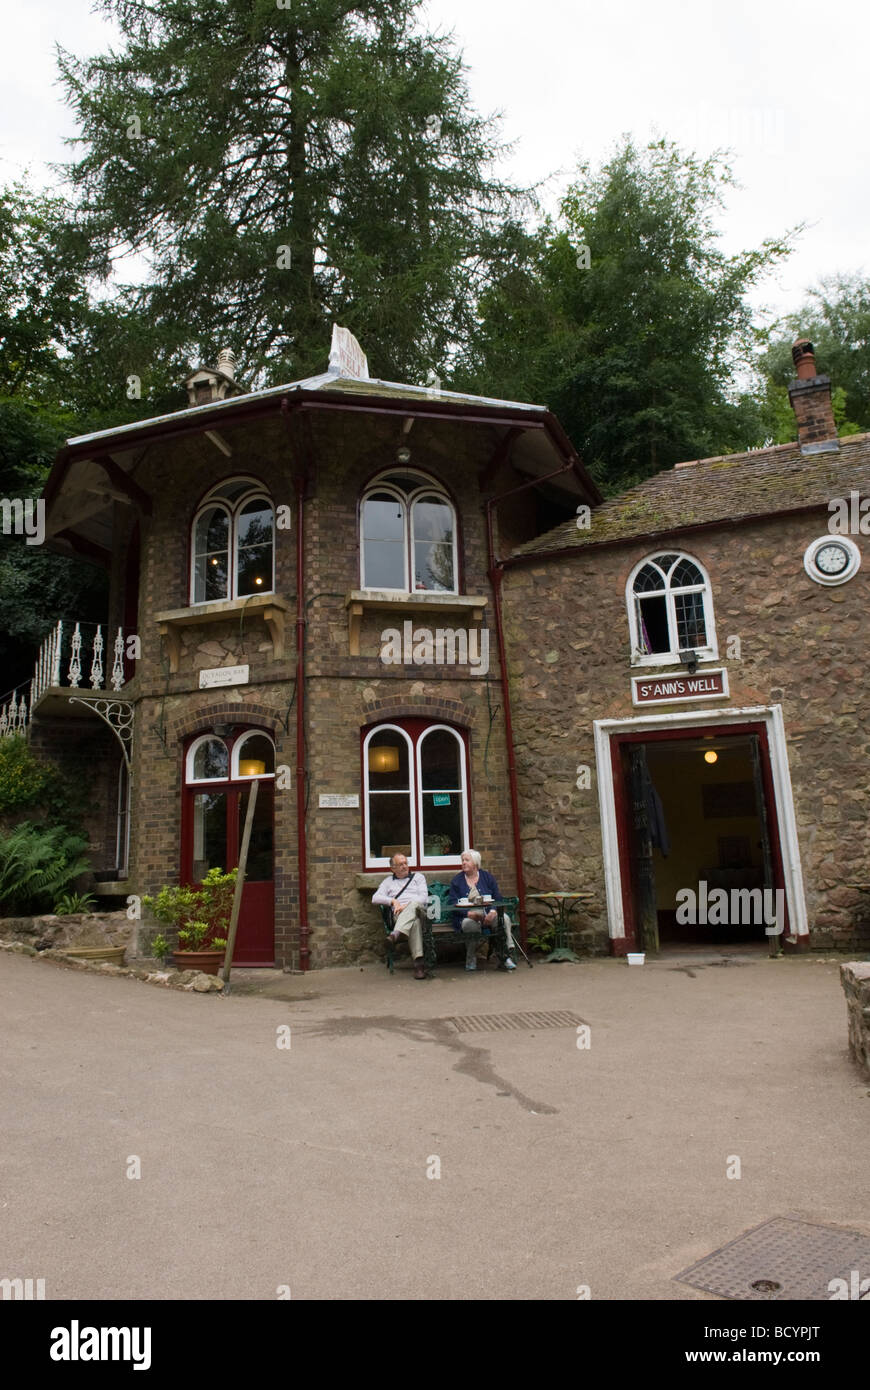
(190,780)
(709,652)
(213,499)
(407,502)
(236,757)
(440,860)
(379,861)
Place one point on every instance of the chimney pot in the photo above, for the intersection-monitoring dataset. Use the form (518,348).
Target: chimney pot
(226,362)
(803,354)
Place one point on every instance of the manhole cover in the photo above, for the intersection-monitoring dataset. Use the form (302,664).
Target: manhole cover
(494,1023)
(782,1259)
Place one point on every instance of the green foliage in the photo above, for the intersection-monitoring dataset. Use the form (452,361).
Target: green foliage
(199,915)
(72,903)
(340,131)
(30,785)
(639,354)
(160,947)
(543,939)
(37,864)
(23,777)
(197,936)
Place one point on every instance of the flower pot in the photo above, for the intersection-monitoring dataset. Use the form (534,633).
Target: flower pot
(209,962)
(113,954)
(636,957)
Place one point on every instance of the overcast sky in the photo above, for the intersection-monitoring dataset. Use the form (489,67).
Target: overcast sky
(781,85)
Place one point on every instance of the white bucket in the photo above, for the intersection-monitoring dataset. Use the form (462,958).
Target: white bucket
(636,957)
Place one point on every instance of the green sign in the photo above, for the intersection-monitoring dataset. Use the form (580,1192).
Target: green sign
(441,799)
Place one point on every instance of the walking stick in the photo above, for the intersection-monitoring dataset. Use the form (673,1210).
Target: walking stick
(240,883)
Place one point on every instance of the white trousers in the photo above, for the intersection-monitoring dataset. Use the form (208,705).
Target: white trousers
(408,923)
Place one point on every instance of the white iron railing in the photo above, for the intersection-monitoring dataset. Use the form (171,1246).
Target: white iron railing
(59,665)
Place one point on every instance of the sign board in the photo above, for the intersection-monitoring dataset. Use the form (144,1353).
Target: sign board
(336,800)
(224,675)
(665,690)
(346,357)
(441,799)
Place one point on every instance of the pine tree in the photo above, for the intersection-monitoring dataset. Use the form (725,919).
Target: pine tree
(284,166)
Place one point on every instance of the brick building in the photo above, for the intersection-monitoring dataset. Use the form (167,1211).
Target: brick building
(301,594)
(309,585)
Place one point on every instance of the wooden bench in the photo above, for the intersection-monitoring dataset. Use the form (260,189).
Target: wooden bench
(436,920)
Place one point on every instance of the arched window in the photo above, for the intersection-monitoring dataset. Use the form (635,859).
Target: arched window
(408,535)
(232,550)
(670,610)
(416,794)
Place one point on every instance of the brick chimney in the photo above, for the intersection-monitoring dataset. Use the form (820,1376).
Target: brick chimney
(810,396)
(209,384)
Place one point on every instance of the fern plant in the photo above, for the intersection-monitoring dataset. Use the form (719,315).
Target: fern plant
(37,865)
(72,903)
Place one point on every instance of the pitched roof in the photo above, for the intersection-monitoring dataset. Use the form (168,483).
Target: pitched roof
(728,488)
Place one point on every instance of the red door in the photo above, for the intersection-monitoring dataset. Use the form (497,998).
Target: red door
(213,823)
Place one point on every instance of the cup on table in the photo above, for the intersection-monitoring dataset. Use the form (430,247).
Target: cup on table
(487,897)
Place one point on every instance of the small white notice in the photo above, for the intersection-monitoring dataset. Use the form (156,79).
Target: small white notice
(335,799)
(224,675)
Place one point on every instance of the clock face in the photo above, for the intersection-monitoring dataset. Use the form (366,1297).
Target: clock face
(832,559)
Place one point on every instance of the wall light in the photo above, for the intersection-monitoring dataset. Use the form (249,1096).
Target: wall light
(711,757)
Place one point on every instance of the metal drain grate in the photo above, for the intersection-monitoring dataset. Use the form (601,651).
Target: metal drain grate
(496,1023)
(784,1258)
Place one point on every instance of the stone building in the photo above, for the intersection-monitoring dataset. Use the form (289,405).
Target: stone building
(690,695)
(302,594)
(408,615)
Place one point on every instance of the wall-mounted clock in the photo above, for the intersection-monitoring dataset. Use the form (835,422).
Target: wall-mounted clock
(832,559)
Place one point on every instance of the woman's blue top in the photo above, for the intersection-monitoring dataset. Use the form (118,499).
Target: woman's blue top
(486,883)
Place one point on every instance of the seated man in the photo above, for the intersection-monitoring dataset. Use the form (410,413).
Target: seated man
(403,892)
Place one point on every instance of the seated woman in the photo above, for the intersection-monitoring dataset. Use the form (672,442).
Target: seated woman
(474,883)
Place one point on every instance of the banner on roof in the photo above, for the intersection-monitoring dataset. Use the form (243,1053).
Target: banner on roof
(346,357)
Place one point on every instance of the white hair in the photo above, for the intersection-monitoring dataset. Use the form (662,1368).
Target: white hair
(475,857)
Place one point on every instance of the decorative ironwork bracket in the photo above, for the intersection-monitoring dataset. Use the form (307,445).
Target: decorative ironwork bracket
(118,714)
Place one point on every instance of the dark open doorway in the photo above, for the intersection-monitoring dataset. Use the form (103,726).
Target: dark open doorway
(700,857)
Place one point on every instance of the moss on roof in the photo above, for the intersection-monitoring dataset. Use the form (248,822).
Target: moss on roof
(726,488)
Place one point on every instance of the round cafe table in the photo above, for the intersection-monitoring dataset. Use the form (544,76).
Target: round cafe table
(560,906)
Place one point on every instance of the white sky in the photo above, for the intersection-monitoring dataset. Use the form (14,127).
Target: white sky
(779,84)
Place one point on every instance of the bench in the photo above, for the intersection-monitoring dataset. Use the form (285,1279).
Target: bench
(436,918)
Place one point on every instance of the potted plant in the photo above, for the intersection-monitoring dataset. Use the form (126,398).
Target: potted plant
(200,917)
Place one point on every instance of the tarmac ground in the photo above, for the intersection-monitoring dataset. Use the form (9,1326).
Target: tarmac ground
(346,1134)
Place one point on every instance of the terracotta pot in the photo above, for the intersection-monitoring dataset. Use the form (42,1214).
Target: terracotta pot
(209,962)
(113,954)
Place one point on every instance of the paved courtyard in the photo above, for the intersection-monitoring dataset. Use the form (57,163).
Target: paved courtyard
(560,1166)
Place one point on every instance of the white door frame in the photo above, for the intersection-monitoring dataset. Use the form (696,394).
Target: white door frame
(771,717)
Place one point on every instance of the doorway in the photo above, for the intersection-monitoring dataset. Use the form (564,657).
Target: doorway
(219,773)
(699,841)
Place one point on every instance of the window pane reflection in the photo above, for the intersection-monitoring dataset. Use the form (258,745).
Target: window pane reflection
(209,833)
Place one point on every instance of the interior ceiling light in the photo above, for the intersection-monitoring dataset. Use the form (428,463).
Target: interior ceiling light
(384,759)
(711,756)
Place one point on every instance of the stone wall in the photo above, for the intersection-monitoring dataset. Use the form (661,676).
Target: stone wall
(855,979)
(49,932)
